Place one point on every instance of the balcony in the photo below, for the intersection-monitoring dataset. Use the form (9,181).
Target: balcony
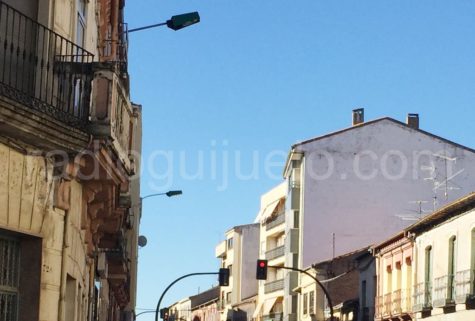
(220,250)
(401,302)
(275,252)
(276,221)
(42,72)
(396,302)
(464,286)
(422,296)
(273,317)
(444,291)
(274,286)
(112,116)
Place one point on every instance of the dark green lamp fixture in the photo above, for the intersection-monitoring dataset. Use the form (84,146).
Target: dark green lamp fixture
(176,22)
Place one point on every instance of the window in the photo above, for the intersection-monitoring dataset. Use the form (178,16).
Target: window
(20,273)
(451,268)
(80,40)
(305,303)
(230,267)
(9,278)
(228,297)
(428,274)
(311,303)
(230,243)
(363,294)
(81,22)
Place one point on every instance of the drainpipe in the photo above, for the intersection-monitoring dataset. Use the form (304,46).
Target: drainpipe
(62,291)
(115,28)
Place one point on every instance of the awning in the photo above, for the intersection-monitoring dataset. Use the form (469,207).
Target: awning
(268,304)
(266,212)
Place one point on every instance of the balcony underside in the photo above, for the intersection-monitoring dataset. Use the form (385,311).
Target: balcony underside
(37,129)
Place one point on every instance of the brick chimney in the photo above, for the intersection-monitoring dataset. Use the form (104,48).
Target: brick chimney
(412,121)
(358,116)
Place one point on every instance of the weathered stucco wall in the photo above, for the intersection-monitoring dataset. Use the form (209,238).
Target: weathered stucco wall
(359,184)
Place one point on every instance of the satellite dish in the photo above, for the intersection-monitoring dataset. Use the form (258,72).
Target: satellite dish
(142,241)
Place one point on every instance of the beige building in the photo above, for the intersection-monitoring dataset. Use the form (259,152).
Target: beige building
(394,264)
(69,149)
(272,219)
(180,311)
(239,253)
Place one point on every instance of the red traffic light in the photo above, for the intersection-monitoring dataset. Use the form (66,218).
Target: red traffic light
(261,272)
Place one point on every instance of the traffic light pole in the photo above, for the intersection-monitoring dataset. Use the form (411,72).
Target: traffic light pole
(316,280)
(171,284)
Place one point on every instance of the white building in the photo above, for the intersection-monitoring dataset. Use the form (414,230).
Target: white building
(360,185)
(239,253)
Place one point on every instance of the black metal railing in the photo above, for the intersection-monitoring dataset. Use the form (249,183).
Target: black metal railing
(43,70)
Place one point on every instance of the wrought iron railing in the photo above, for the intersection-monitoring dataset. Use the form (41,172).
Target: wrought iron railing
(464,284)
(378,313)
(275,252)
(274,286)
(422,296)
(406,301)
(277,220)
(396,302)
(43,70)
(387,304)
(443,290)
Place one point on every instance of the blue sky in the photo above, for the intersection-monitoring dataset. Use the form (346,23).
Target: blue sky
(225,96)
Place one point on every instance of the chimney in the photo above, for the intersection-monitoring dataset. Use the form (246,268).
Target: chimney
(413,121)
(358,116)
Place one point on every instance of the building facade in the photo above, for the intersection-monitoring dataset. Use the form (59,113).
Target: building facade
(367,286)
(204,306)
(69,153)
(381,174)
(394,262)
(239,253)
(272,219)
(444,252)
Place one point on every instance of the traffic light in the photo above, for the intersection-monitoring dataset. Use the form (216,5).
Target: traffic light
(164,313)
(261,272)
(223,277)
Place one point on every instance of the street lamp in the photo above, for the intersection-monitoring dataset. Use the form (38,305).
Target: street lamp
(169,194)
(176,22)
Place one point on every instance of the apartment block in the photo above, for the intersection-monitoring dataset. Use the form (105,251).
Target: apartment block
(239,253)
(273,220)
(69,148)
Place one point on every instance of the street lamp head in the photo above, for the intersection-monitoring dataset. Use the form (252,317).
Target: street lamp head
(183,20)
(173,193)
